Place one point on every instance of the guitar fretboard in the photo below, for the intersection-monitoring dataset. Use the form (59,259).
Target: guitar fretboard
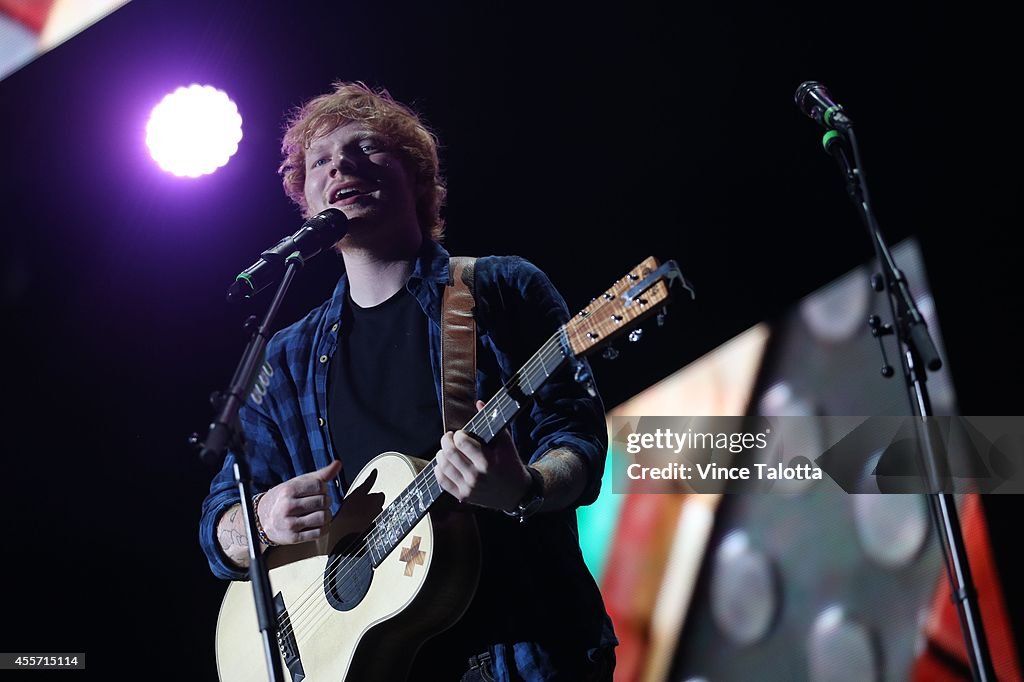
(395,522)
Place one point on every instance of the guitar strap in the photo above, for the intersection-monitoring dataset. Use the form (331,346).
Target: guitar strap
(458,345)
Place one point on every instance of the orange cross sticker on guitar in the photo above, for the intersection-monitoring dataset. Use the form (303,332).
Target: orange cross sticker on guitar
(412,555)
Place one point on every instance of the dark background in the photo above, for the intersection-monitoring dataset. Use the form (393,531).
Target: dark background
(583,139)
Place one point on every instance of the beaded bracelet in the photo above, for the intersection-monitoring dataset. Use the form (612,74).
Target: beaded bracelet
(259,526)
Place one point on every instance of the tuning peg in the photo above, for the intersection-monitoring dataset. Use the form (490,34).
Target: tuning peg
(662,314)
(635,335)
(194,440)
(877,283)
(610,353)
(217,399)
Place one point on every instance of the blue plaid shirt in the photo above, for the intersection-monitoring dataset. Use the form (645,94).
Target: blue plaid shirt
(517,309)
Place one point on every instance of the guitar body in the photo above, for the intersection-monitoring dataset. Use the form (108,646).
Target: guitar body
(340,617)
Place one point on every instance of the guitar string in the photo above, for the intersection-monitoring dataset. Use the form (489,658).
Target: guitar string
(343,569)
(537,364)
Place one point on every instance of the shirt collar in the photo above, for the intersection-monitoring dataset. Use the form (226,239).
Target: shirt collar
(429,276)
(431,263)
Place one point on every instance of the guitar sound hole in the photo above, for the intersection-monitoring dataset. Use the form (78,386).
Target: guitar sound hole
(348,575)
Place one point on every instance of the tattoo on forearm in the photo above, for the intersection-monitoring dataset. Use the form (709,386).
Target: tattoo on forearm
(564,476)
(230,534)
(230,537)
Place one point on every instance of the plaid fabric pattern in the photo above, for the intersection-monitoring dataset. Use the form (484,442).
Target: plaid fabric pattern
(286,427)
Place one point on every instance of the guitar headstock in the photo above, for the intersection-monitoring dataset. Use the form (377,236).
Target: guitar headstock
(631,299)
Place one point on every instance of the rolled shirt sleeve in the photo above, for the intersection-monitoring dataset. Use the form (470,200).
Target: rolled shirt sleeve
(527,310)
(266,456)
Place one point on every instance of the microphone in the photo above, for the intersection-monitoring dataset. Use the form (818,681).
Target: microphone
(317,233)
(814,99)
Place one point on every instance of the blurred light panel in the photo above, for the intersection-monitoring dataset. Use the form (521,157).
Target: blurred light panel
(28,28)
(194,131)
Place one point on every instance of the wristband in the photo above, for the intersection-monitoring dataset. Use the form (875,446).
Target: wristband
(259,526)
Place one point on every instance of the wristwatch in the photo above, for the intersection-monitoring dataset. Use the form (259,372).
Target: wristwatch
(532,500)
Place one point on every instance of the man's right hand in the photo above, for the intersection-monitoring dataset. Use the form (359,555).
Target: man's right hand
(298,510)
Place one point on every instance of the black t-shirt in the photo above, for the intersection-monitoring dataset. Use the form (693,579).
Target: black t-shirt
(381,397)
(381,390)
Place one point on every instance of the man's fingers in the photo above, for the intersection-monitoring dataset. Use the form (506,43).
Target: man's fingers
(468,464)
(446,483)
(329,472)
(306,485)
(470,450)
(316,520)
(307,535)
(314,482)
(300,506)
(449,454)
(464,441)
(450,480)
(451,468)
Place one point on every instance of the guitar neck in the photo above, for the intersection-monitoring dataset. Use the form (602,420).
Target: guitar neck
(412,504)
(627,302)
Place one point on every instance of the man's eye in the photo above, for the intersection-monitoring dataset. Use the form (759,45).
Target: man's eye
(369,147)
(318,162)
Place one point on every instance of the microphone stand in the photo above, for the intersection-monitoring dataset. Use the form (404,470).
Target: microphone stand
(225,432)
(918,353)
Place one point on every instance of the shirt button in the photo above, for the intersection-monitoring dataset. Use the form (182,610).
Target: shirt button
(335,327)
(323,359)
(320,420)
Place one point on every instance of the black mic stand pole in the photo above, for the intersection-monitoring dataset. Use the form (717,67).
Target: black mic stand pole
(225,433)
(918,353)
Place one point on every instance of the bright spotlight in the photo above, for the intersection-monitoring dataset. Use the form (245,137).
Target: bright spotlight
(194,131)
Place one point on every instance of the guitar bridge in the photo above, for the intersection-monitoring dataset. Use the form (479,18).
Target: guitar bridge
(286,642)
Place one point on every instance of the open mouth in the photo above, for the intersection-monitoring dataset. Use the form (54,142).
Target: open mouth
(345,193)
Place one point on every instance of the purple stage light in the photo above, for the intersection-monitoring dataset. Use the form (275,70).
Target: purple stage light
(194,131)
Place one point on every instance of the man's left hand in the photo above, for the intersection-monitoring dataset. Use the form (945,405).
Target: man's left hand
(486,475)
